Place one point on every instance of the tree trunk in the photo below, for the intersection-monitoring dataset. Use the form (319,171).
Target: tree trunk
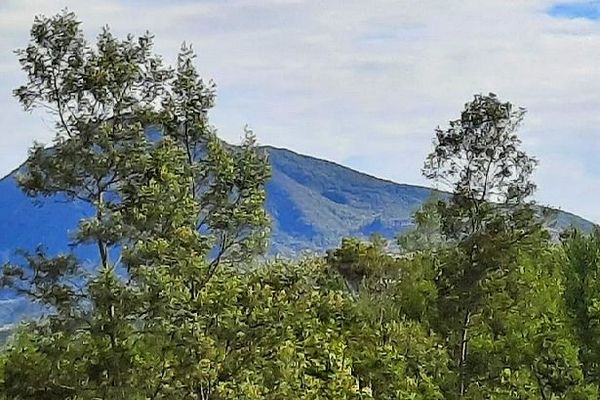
(464,344)
(102,248)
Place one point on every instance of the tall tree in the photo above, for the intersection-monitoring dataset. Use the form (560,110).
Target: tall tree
(479,157)
(173,217)
(102,98)
(110,102)
(479,154)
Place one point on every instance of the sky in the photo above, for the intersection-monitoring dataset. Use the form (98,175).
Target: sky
(362,83)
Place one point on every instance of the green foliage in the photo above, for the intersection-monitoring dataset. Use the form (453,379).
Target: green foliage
(521,341)
(499,290)
(582,295)
(112,102)
(397,355)
(478,156)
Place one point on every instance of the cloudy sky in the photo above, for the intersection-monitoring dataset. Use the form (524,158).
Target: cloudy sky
(363,83)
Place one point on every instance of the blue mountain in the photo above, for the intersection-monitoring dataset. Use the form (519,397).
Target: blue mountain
(313,204)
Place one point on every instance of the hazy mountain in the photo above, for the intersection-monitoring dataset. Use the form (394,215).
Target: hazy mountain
(313,204)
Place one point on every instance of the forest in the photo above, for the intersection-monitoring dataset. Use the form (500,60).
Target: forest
(478,301)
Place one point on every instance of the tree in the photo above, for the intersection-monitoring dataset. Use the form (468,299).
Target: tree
(165,219)
(582,296)
(395,352)
(479,155)
(102,339)
(489,214)
(105,102)
(112,102)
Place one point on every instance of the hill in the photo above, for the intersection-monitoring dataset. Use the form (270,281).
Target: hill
(313,204)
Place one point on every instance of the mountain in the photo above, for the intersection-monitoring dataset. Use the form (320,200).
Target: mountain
(313,204)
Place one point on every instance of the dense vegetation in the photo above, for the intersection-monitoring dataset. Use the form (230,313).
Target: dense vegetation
(478,304)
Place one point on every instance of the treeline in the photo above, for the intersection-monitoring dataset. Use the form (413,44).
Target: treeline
(477,303)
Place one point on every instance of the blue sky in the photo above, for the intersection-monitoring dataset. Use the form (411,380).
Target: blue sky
(579,9)
(364,83)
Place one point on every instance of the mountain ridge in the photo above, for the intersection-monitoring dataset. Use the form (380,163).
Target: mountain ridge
(313,203)
(268,147)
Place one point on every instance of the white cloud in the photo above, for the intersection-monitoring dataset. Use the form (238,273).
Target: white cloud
(363,82)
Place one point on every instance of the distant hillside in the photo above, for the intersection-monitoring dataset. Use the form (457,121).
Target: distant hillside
(313,204)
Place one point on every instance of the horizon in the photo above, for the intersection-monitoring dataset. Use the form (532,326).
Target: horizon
(365,88)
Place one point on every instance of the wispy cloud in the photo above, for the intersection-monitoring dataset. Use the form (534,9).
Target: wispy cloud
(364,83)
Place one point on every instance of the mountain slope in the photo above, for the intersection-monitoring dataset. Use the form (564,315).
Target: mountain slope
(313,204)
